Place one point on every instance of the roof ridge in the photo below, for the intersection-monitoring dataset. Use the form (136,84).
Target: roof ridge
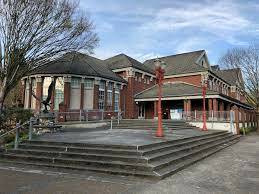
(182,82)
(229,69)
(176,55)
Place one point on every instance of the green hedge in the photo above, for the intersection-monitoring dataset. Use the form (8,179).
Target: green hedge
(246,130)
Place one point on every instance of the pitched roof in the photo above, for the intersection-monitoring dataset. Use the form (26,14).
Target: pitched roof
(229,75)
(78,64)
(174,89)
(122,61)
(181,89)
(180,63)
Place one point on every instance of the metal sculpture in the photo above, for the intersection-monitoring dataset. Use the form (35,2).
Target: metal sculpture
(46,102)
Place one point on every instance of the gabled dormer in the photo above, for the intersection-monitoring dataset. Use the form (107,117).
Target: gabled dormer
(203,60)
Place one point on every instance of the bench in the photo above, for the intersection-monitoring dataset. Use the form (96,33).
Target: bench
(50,127)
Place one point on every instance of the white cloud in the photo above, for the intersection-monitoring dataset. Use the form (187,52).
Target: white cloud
(104,27)
(143,57)
(223,19)
(191,44)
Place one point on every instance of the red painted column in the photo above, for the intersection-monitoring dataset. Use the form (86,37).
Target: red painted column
(189,105)
(221,109)
(82,94)
(210,107)
(185,106)
(96,94)
(39,85)
(215,108)
(67,82)
(242,117)
(236,110)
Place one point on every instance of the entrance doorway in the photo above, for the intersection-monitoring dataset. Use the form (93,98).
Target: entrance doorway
(141,111)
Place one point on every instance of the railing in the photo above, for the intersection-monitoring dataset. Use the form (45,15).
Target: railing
(17,129)
(223,116)
(88,115)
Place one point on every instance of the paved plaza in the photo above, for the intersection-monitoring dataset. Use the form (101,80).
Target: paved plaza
(232,170)
(128,137)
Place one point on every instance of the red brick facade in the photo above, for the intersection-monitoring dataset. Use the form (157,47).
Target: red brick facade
(192,79)
(135,85)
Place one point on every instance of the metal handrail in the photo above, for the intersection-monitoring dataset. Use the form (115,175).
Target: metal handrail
(17,127)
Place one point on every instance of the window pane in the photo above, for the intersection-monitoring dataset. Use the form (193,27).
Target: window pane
(75,82)
(88,83)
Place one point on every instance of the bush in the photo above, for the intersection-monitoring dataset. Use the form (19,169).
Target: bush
(10,116)
(246,130)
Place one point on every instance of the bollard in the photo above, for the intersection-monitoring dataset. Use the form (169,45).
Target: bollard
(118,118)
(111,122)
(30,129)
(80,119)
(16,141)
(86,115)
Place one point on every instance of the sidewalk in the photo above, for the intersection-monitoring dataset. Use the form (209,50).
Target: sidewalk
(233,170)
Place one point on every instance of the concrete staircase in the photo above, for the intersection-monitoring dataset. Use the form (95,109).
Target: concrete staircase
(157,160)
(152,124)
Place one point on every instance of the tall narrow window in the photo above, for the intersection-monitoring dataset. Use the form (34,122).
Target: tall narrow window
(101,95)
(109,94)
(75,82)
(88,83)
(116,98)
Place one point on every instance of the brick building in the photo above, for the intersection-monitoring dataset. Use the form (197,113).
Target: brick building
(122,83)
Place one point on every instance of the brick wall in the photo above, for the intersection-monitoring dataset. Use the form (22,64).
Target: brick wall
(193,79)
(135,85)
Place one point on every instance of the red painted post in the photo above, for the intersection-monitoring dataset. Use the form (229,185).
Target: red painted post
(204,128)
(159,76)
(159,132)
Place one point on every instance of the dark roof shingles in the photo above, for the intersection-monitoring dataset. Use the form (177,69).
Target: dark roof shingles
(180,63)
(173,90)
(122,61)
(229,75)
(78,64)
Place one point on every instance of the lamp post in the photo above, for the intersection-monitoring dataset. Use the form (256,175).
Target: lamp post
(160,70)
(204,88)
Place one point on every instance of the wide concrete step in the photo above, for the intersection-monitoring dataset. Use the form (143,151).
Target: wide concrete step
(183,148)
(159,146)
(109,170)
(83,145)
(156,160)
(185,154)
(111,151)
(77,155)
(76,161)
(174,168)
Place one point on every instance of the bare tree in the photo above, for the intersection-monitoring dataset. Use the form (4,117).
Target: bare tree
(34,32)
(247,61)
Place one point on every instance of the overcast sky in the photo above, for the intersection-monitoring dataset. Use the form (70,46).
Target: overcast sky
(145,29)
